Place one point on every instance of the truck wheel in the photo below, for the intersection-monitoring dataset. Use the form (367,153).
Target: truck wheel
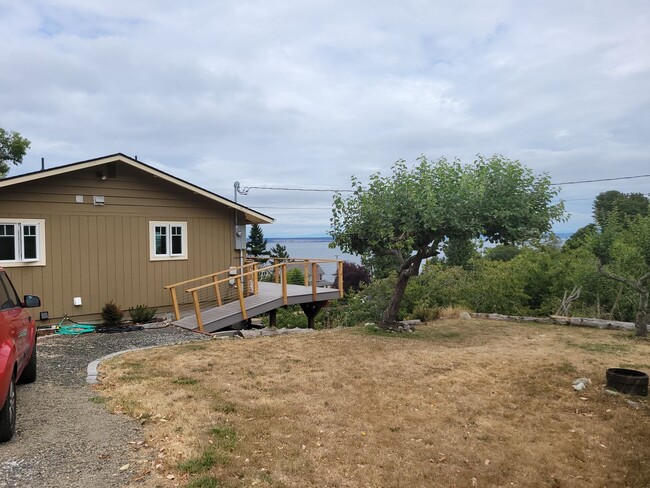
(29,373)
(8,413)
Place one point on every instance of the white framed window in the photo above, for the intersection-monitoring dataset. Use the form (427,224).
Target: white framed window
(167,240)
(22,242)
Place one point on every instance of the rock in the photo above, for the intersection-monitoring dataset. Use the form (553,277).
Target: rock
(581,383)
(465,316)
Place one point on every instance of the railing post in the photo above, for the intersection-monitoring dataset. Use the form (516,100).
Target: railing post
(256,277)
(197,310)
(340,263)
(306,266)
(177,312)
(285,298)
(217,291)
(240,292)
(313,281)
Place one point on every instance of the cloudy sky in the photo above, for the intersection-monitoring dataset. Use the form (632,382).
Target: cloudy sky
(303,94)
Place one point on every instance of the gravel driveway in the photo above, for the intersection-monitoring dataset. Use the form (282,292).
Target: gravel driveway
(63,438)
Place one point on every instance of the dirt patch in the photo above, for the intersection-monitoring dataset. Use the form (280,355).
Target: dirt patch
(457,403)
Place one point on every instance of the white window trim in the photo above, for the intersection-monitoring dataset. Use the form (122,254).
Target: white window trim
(152,241)
(40,243)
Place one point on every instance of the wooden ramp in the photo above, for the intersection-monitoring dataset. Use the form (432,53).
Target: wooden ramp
(268,298)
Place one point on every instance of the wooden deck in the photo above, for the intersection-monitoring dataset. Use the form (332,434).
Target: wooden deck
(269,298)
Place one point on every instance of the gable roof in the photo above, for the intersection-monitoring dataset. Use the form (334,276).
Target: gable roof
(251,215)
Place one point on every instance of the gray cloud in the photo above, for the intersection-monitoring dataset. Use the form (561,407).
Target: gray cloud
(304,94)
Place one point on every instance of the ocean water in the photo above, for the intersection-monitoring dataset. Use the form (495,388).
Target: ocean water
(314,248)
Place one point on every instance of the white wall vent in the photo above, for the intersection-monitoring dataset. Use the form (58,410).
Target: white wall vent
(98,200)
(79,198)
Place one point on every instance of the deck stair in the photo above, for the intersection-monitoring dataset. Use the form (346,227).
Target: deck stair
(229,297)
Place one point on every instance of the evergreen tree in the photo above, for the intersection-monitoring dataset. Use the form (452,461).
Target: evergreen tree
(279,251)
(256,245)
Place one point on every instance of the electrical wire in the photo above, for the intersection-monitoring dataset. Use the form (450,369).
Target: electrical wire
(577,182)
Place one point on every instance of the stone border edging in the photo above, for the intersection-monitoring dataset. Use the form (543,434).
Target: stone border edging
(92,371)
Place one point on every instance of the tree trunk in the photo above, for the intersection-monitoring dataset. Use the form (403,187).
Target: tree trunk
(641,322)
(390,314)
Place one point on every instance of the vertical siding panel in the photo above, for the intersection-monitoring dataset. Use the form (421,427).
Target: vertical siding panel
(56,263)
(127,243)
(65,274)
(85,269)
(74,245)
(93,265)
(110,259)
(104,296)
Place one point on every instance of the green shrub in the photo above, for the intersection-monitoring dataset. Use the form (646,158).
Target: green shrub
(141,314)
(425,313)
(112,314)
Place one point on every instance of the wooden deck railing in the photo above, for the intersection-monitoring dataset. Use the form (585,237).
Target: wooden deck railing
(245,280)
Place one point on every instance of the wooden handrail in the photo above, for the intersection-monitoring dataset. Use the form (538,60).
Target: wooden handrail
(279,273)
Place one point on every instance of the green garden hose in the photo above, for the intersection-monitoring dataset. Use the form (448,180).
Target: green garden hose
(74,329)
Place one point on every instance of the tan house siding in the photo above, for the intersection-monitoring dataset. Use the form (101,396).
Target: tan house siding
(102,253)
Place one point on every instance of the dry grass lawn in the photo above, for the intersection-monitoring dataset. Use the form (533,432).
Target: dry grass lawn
(458,403)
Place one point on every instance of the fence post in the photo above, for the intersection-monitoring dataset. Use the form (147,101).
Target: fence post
(340,279)
(240,291)
(197,310)
(285,298)
(217,292)
(177,312)
(313,281)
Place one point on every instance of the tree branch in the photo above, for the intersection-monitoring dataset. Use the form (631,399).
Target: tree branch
(634,285)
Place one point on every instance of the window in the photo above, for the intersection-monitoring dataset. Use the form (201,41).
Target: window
(168,240)
(22,242)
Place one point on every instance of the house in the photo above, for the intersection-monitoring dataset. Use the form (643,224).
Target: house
(113,228)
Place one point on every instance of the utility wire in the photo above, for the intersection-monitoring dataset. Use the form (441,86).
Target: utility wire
(245,190)
(600,179)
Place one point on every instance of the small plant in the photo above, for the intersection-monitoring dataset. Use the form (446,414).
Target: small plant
(185,381)
(425,313)
(112,314)
(141,314)
(203,462)
(205,482)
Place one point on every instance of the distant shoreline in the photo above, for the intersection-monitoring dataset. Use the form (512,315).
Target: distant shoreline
(561,235)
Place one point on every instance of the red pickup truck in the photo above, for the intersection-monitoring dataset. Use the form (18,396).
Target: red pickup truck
(17,350)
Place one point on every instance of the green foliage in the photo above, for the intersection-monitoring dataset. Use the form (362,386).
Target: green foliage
(502,252)
(581,237)
(142,314)
(459,251)
(425,313)
(288,317)
(622,206)
(279,251)
(295,276)
(225,436)
(256,245)
(112,314)
(409,213)
(13,148)
(203,462)
(205,482)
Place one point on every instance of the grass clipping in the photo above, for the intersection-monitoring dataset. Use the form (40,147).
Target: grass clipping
(458,403)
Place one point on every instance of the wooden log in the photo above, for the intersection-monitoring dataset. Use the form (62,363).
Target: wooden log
(559,319)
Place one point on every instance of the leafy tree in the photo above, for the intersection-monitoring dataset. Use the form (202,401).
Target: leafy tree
(623,248)
(459,252)
(12,150)
(581,237)
(256,245)
(624,205)
(353,276)
(502,252)
(279,251)
(295,276)
(410,213)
